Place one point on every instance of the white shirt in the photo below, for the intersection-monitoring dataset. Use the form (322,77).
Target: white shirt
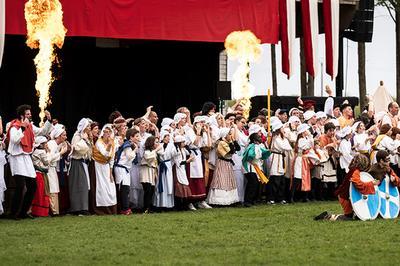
(346,155)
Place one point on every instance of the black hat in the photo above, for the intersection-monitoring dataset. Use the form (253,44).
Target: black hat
(343,106)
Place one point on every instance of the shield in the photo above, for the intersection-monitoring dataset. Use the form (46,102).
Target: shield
(389,197)
(366,207)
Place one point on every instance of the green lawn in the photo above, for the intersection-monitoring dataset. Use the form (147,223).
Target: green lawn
(260,235)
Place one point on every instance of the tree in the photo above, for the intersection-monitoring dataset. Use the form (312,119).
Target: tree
(361,74)
(273,68)
(393,7)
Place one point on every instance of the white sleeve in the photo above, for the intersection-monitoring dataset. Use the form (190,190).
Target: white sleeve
(243,139)
(328,107)
(345,151)
(283,144)
(44,131)
(16,135)
(386,120)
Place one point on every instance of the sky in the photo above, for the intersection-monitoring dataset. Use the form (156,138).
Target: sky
(380,64)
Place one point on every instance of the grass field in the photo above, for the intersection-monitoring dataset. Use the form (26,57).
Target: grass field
(260,235)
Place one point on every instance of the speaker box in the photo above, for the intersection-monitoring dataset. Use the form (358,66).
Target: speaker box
(361,27)
(224,90)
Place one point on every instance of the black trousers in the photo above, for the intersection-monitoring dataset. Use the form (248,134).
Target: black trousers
(316,189)
(19,197)
(251,192)
(148,194)
(341,174)
(329,190)
(277,183)
(124,197)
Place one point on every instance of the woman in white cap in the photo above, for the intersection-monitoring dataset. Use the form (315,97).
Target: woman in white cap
(346,153)
(321,120)
(57,148)
(78,181)
(41,161)
(279,147)
(103,156)
(124,161)
(181,157)
(196,139)
(216,122)
(164,190)
(223,190)
(361,141)
(290,132)
(136,189)
(301,169)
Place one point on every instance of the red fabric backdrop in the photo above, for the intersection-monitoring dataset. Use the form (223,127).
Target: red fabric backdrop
(187,20)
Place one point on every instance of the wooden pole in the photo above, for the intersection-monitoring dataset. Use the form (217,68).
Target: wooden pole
(269,110)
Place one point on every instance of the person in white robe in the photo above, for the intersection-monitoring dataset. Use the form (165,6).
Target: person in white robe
(361,141)
(346,153)
(57,148)
(197,138)
(78,175)
(279,147)
(3,162)
(103,155)
(21,139)
(126,154)
(164,191)
(242,139)
(136,188)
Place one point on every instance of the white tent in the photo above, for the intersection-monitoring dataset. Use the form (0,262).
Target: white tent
(381,99)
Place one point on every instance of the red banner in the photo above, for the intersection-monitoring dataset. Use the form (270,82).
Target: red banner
(186,20)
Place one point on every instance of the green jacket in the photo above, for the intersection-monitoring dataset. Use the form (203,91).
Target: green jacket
(250,154)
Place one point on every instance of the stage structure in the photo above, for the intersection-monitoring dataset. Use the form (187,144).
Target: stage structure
(126,54)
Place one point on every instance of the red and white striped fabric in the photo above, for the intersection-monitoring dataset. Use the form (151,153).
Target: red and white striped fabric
(331,24)
(287,11)
(309,10)
(2,27)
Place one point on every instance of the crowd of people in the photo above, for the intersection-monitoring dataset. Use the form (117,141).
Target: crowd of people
(195,161)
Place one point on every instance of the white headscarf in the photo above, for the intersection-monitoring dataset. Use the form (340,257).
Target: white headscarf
(178,117)
(57,131)
(39,140)
(166,121)
(84,123)
(254,129)
(163,133)
(109,127)
(223,132)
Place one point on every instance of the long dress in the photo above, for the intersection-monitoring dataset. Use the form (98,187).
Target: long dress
(194,169)
(41,201)
(54,187)
(164,192)
(136,192)
(78,174)
(181,182)
(238,170)
(223,189)
(301,169)
(3,186)
(106,195)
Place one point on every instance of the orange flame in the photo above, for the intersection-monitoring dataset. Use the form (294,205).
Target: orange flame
(245,47)
(45,29)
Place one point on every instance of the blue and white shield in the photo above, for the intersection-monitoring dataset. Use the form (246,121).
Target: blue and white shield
(389,196)
(366,207)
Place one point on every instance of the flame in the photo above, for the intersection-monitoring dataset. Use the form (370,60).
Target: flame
(45,29)
(245,47)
